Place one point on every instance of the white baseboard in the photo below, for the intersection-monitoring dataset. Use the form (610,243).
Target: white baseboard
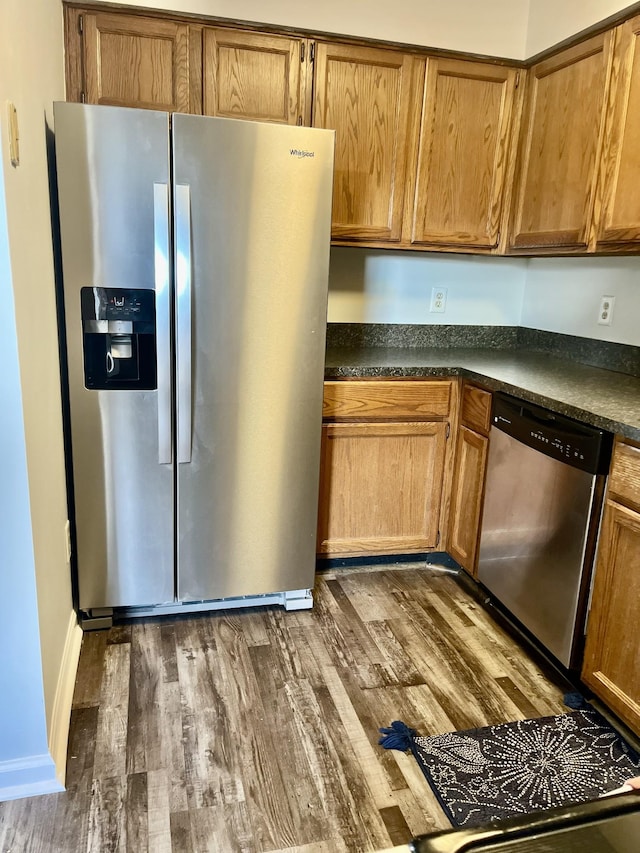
(61,713)
(28,777)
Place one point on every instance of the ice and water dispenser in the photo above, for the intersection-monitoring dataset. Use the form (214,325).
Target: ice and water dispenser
(119,338)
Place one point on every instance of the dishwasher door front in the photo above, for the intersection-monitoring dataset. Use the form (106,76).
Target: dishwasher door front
(537,532)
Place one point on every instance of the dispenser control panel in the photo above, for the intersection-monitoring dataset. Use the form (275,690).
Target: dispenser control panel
(110,303)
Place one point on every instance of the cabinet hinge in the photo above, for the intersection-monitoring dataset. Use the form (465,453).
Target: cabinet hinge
(438,539)
(81,24)
(302,52)
(83,98)
(448,431)
(517,79)
(312,52)
(299,121)
(498,238)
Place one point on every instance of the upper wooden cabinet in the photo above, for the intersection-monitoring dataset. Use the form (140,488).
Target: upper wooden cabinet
(431,153)
(619,217)
(364,94)
(128,61)
(463,154)
(254,76)
(560,147)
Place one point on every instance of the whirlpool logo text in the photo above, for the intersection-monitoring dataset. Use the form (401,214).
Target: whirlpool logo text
(300,153)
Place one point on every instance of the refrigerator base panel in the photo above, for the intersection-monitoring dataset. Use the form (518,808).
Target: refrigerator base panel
(293,599)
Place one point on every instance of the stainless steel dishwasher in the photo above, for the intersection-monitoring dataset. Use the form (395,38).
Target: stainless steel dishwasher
(543,500)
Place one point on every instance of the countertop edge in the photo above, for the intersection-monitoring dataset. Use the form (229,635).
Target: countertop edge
(492,383)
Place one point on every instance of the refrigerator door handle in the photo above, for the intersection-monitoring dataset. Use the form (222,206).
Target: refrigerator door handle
(163,318)
(183,319)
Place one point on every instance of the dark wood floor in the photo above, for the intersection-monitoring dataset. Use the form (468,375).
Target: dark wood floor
(257,730)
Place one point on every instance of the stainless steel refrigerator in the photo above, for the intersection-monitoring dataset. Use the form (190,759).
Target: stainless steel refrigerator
(195,259)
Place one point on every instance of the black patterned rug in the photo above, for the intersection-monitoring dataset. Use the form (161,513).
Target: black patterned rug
(499,772)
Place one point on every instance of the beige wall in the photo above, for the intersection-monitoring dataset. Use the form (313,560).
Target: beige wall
(496,27)
(551,21)
(31,76)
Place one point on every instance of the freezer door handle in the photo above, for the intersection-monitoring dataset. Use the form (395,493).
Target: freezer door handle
(163,318)
(183,318)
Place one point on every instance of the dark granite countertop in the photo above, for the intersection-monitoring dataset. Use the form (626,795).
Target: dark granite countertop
(603,398)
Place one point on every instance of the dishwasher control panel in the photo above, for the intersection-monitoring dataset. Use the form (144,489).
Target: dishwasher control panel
(562,438)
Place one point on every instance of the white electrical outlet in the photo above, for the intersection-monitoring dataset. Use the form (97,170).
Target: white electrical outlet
(438,300)
(605,314)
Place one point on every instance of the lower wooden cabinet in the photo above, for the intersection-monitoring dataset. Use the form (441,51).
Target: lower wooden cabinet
(381,487)
(385,466)
(467,493)
(611,666)
(466,497)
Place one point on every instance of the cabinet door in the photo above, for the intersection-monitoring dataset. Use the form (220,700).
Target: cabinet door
(254,76)
(130,61)
(381,487)
(560,148)
(463,153)
(364,95)
(620,216)
(612,653)
(466,500)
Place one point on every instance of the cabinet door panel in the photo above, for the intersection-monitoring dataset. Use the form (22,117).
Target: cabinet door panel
(466,501)
(612,653)
(620,217)
(136,62)
(560,147)
(381,487)
(363,94)
(253,76)
(463,151)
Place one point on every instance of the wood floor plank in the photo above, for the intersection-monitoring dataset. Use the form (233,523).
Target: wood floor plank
(396,825)
(107,819)
(305,803)
(171,745)
(341,790)
(211,777)
(181,838)
(255,750)
(367,758)
(397,659)
(371,602)
(527,709)
(420,789)
(119,634)
(144,747)
(83,729)
(419,813)
(254,625)
(169,651)
(366,705)
(159,812)
(110,759)
(88,684)
(136,814)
